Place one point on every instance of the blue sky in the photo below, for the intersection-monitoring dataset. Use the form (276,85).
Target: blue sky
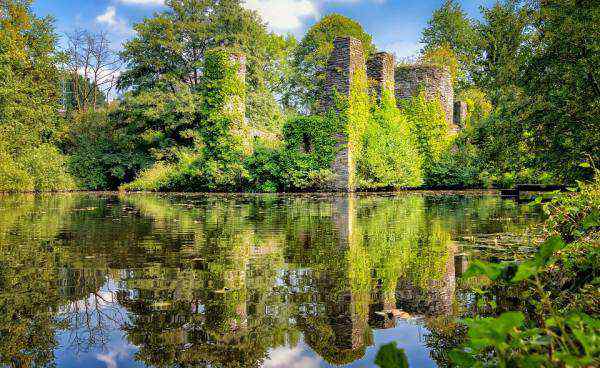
(396,25)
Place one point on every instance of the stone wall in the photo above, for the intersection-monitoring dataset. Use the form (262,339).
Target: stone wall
(380,70)
(235,105)
(436,81)
(460,114)
(346,58)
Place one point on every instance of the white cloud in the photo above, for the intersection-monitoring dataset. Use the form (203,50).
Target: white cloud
(115,23)
(285,357)
(283,15)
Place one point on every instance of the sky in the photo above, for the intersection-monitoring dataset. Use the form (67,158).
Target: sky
(395,25)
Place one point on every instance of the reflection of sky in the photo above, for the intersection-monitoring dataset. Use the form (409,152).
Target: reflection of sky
(116,352)
(408,335)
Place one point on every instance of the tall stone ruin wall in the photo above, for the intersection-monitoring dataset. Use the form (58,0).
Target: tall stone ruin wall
(435,81)
(345,60)
(380,71)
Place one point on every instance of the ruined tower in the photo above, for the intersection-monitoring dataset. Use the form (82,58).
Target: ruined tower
(434,80)
(380,70)
(346,59)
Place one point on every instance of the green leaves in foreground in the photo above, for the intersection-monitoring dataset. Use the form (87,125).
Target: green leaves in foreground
(389,356)
(512,340)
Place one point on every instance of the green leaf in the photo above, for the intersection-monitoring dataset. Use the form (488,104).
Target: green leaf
(584,164)
(461,358)
(526,270)
(481,268)
(591,220)
(389,356)
(549,247)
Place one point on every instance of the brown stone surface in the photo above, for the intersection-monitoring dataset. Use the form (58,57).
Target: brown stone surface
(436,81)
(380,70)
(460,113)
(346,58)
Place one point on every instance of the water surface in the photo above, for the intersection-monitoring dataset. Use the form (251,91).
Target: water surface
(115,280)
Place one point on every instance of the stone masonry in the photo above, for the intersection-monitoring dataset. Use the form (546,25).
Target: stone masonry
(436,82)
(380,70)
(460,114)
(346,58)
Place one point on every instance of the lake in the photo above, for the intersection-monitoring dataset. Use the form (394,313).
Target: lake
(135,280)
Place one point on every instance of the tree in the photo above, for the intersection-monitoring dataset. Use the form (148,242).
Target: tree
(561,79)
(29,97)
(449,27)
(169,48)
(310,59)
(501,47)
(91,69)
(28,77)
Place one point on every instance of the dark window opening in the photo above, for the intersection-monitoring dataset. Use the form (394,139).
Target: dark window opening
(306,143)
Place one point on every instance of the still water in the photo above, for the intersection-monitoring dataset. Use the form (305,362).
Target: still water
(114,280)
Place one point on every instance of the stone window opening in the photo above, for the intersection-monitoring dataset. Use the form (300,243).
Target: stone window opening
(306,143)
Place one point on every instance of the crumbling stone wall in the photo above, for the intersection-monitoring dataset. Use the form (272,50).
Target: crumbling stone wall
(346,59)
(436,81)
(380,70)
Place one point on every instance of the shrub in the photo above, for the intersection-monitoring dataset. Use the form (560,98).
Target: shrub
(101,153)
(543,310)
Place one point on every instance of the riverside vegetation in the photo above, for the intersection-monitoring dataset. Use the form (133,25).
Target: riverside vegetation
(169,129)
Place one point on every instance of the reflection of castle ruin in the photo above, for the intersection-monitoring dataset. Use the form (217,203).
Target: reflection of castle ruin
(347,61)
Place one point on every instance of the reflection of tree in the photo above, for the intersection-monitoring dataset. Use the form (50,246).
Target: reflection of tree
(91,313)
(29,298)
(218,280)
(213,307)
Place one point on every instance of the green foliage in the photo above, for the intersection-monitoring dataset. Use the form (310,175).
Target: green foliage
(29,102)
(479,107)
(555,289)
(429,126)
(170,46)
(102,151)
(311,55)
(501,47)
(390,156)
(213,128)
(562,87)
(450,28)
(389,356)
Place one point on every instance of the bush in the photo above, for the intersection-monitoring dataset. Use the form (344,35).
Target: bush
(42,168)
(102,155)
(12,177)
(429,127)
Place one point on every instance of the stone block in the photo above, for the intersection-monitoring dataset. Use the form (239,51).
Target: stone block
(345,60)
(380,70)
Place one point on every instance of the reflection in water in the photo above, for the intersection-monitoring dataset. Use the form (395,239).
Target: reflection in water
(165,280)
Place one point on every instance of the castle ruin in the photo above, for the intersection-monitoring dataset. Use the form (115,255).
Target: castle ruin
(405,81)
